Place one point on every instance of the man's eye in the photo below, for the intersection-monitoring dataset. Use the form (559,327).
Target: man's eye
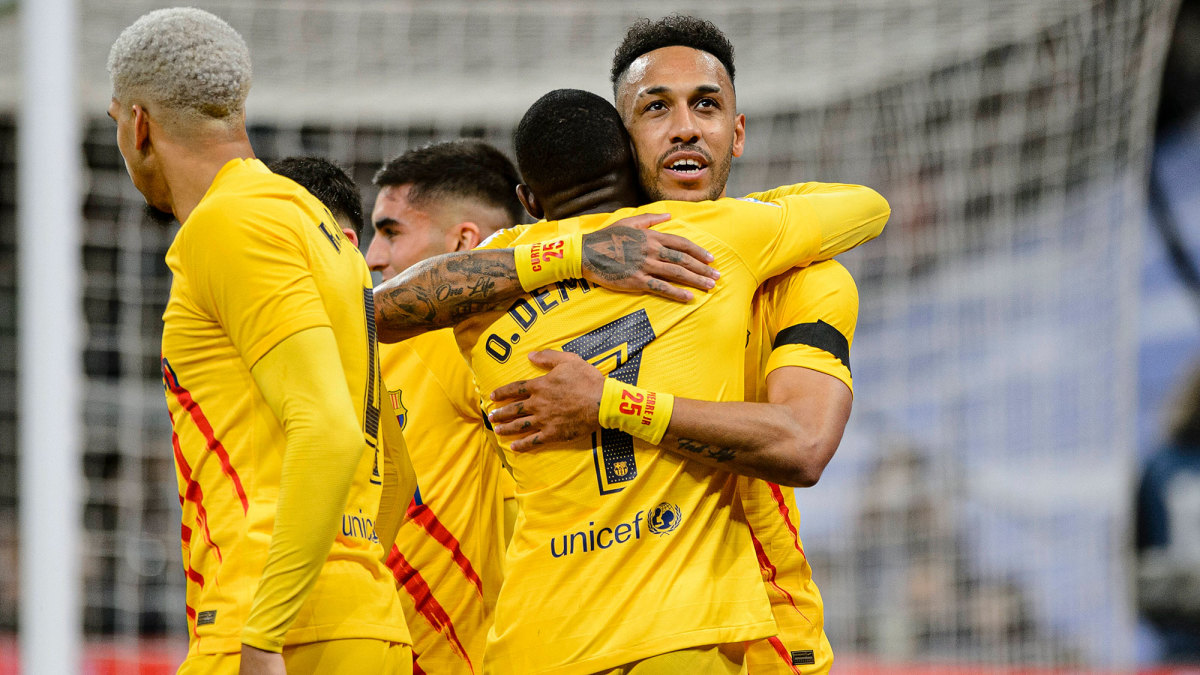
(706,103)
(655,105)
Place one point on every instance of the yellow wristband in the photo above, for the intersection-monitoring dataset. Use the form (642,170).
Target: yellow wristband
(636,411)
(546,262)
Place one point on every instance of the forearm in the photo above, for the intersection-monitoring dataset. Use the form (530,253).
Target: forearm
(444,290)
(760,440)
(323,449)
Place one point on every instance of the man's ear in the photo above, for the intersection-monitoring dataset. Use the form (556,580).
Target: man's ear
(525,195)
(141,128)
(351,235)
(739,135)
(463,237)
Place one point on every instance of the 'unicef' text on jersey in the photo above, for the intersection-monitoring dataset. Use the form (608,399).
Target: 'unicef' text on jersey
(661,520)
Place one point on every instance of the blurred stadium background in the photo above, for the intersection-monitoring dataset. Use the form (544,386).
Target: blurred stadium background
(978,517)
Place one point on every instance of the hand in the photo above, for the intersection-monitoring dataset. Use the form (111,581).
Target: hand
(561,405)
(258,662)
(626,256)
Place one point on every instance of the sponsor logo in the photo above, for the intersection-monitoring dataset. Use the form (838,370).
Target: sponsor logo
(206,617)
(358,526)
(663,519)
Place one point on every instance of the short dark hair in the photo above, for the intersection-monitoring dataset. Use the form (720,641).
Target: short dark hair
(670,31)
(327,182)
(464,168)
(568,138)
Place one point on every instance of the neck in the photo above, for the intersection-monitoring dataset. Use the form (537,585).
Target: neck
(604,195)
(193,166)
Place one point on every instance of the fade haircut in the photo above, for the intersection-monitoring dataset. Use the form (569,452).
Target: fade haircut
(327,182)
(570,138)
(184,59)
(677,30)
(460,169)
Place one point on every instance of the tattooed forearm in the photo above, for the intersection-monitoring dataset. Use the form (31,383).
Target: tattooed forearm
(615,252)
(713,452)
(444,290)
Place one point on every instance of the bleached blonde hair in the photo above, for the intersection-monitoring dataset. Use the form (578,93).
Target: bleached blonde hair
(186,60)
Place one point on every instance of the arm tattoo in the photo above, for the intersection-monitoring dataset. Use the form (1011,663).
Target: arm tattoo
(614,253)
(443,291)
(713,452)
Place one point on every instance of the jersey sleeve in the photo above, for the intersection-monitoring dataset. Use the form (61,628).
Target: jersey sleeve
(502,238)
(251,272)
(811,314)
(795,230)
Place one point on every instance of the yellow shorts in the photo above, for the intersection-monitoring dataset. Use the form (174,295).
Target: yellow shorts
(715,659)
(337,657)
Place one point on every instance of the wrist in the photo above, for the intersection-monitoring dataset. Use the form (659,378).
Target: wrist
(546,262)
(639,412)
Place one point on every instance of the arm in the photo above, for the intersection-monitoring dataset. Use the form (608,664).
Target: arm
(446,289)
(788,441)
(302,381)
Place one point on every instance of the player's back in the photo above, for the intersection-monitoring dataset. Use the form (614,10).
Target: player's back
(622,551)
(258,260)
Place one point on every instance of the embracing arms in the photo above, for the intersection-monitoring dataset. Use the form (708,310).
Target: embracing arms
(446,289)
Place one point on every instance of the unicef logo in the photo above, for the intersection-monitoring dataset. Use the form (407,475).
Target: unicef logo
(663,519)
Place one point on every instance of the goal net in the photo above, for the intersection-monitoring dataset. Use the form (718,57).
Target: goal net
(978,509)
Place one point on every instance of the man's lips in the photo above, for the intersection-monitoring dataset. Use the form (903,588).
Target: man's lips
(685,165)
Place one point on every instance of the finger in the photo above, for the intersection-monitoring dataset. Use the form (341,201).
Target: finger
(687,246)
(644,220)
(680,276)
(526,443)
(508,413)
(520,428)
(513,390)
(548,358)
(664,290)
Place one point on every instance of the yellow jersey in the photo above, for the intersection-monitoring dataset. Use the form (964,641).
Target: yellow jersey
(804,317)
(257,261)
(449,553)
(622,551)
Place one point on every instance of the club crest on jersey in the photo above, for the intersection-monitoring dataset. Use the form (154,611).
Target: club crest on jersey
(398,404)
(663,519)
(621,468)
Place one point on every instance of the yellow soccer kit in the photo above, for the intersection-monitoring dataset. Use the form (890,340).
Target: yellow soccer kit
(260,260)
(621,551)
(449,555)
(804,317)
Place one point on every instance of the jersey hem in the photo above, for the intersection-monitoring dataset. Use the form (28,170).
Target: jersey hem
(673,643)
(229,644)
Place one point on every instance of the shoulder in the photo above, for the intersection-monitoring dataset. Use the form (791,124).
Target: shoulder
(828,278)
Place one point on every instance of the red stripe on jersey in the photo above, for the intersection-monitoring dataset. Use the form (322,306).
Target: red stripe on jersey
(786,512)
(417,669)
(191,617)
(767,566)
(184,397)
(422,515)
(783,653)
(194,494)
(427,605)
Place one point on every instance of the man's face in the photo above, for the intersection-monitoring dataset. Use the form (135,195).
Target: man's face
(679,106)
(404,234)
(138,163)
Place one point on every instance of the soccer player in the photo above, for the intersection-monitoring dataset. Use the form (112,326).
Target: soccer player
(271,373)
(449,555)
(331,185)
(673,84)
(626,556)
